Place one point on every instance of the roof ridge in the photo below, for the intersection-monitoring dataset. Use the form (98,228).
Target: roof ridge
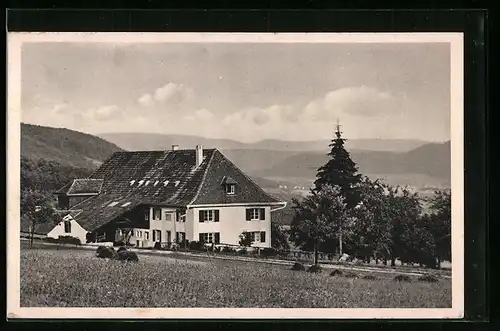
(246,176)
(204,176)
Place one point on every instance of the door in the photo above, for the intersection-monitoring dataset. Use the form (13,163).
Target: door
(169,236)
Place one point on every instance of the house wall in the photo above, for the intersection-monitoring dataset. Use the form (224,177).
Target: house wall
(232,222)
(76,231)
(143,235)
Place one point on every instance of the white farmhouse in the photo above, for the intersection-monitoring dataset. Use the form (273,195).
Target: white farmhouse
(168,196)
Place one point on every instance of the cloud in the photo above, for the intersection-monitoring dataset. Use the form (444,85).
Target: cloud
(146,100)
(173,93)
(352,101)
(61,108)
(260,116)
(200,115)
(104,113)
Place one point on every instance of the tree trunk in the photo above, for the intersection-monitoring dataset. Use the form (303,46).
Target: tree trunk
(315,255)
(340,243)
(32,234)
(393,262)
(438,263)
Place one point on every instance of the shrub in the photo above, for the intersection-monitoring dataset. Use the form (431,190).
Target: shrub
(268,252)
(428,279)
(157,245)
(243,251)
(121,249)
(336,272)
(227,249)
(126,255)
(51,240)
(196,246)
(350,275)
(369,277)
(402,278)
(69,240)
(316,268)
(106,252)
(298,266)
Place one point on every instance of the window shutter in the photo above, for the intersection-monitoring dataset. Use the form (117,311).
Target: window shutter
(216,215)
(249,214)
(159,214)
(217,237)
(201,214)
(262,214)
(262,236)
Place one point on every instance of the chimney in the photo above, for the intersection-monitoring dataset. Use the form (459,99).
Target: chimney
(175,147)
(199,155)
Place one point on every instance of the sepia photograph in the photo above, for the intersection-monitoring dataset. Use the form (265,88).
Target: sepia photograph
(197,175)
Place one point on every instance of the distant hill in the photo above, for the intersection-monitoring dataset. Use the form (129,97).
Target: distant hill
(432,161)
(150,141)
(66,147)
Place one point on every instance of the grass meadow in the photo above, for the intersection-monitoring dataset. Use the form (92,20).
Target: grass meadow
(76,278)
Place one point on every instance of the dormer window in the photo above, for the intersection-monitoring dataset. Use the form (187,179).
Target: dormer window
(229,185)
(230,188)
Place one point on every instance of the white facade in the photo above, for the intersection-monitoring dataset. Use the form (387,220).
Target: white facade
(231,223)
(68,227)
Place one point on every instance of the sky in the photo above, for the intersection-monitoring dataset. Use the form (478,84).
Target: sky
(241,91)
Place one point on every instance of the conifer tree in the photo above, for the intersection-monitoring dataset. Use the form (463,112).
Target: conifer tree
(340,171)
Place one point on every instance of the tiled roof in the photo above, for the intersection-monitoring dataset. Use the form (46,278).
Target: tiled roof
(129,179)
(82,186)
(212,192)
(168,178)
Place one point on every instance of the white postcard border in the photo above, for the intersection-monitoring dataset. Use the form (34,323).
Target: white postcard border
(15,41)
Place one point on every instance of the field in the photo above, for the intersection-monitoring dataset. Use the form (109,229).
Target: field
(76,278)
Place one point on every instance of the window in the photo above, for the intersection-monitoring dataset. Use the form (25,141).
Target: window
(210,238)
(254,214)
(157,213)
(146,235)
(146,215)
(182,218)
(67,226)
(157,235)
(169,216)
(230,188)
(179,236)
(209,215)
(262,236)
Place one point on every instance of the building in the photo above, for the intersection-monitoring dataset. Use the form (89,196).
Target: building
(167,196)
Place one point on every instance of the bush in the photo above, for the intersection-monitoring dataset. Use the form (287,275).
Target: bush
(428,279)
(268,252)
(336,272)
(314,268)
(227,249)
(298,266)
(51,240)
(243,251)
(121,249)
(402,278)
(350,275)
(369,277)
(106,252)
(69,240)
(196,246)
(157,245)
(126,255)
